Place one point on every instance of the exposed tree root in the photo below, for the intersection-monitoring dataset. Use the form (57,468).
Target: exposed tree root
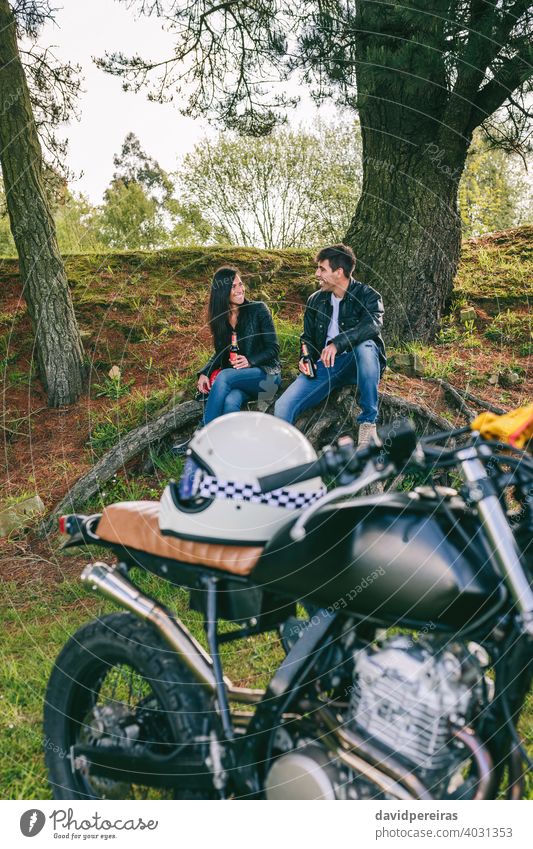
(322,425)
(130,446)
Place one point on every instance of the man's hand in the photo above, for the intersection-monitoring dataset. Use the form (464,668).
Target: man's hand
(302,367)
(204,384)
(328,355)
(241,362)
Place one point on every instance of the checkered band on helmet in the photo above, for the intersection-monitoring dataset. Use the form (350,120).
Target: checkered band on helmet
(212,487)
(218,496)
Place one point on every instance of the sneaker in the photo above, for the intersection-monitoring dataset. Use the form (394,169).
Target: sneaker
(180,449)
(367,432)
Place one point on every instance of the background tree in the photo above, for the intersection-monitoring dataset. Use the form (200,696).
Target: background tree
(130,220)
(76,221)
(423,74)
(77,224)
(45,287)
(140,211)
(293,188)
(133,165)
(495,191)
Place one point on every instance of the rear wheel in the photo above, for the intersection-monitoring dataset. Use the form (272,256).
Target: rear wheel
(116,683)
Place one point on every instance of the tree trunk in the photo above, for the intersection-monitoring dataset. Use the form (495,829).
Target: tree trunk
(45,286)
(406,234)
(406,231)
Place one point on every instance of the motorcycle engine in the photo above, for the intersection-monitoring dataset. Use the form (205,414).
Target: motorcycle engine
(406,695)
(309,772)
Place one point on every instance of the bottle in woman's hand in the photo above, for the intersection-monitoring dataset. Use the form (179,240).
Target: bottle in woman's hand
(234,349)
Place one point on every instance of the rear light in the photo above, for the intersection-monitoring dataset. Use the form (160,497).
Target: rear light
(72,524)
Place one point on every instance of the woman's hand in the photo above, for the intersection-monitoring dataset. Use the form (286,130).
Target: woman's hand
(241,362)
(204,384)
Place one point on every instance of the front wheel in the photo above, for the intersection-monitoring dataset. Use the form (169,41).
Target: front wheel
(117,683)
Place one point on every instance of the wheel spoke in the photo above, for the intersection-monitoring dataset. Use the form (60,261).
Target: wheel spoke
(104,692)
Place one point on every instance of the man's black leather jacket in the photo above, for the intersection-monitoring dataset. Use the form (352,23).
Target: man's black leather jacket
(360,319)
(256,337)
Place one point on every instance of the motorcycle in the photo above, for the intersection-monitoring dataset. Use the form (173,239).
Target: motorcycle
(407,680)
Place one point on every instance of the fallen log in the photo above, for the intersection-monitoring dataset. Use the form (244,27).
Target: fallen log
(129,446)
(455,394)
(338,417)
(340,414)
(426,420)
(460,396)
(480,402)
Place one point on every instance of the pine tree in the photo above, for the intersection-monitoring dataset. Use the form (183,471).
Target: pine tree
(45,286)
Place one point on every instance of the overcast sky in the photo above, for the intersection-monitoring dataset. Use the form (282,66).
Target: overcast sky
(87,28)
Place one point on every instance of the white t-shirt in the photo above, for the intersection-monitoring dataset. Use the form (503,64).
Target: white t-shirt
(333,329)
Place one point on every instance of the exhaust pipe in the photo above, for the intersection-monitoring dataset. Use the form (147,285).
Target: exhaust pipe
(111,583)
(354,746)
(483,763)
(115,586)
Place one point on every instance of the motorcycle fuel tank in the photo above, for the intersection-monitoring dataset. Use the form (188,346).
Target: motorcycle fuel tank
(387,558)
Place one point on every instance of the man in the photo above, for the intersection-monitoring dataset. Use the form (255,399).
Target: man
(342,331)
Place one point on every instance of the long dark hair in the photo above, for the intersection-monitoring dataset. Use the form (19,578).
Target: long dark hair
(218,308)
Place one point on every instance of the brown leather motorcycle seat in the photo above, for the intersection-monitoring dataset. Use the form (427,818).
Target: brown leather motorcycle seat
(135,524)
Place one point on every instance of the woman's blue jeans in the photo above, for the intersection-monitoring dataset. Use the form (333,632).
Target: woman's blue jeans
(360,367)
(233,387)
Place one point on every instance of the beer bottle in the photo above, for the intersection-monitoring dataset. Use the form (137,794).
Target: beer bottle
(234,349)
(308,364)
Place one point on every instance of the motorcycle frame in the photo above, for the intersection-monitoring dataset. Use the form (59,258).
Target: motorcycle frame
(247,755)
(241,748)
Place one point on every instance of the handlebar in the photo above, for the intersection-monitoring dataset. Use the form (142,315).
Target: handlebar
(397,442)
(296,474)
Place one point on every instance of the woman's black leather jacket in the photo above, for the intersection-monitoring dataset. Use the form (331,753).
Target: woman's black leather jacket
(256,337)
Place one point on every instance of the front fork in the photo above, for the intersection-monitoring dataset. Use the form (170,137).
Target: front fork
(480,494)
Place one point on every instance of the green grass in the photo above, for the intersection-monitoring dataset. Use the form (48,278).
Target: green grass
(107,427)
(289,341)
(112,387)
(509,328)
(497,267)
(135,486)
(36,624)
(435,365)
(19,377)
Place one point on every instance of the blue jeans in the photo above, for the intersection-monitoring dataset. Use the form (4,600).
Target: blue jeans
(233,387)
(359,366)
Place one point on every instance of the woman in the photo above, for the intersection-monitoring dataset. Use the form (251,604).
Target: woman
(255,369)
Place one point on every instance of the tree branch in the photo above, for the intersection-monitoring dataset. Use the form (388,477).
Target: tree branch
(511,75)
(487,35)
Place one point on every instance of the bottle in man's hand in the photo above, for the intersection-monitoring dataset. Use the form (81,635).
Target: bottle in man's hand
(307,362)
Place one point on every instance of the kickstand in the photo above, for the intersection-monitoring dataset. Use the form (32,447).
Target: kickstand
(210,622)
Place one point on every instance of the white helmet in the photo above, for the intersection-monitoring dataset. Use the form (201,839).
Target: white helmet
(218,497)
